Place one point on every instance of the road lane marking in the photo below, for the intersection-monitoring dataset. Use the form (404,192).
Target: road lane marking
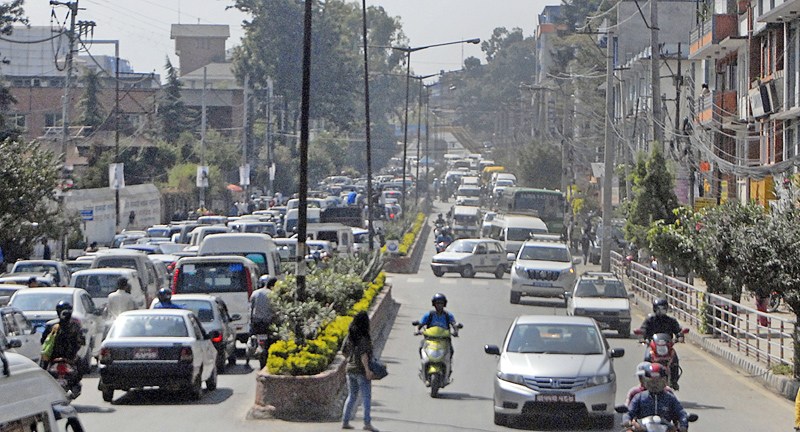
(415,280)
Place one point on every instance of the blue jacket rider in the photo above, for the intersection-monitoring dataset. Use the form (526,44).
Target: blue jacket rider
(656,401)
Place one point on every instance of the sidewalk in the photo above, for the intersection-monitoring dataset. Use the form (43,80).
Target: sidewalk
(725,347)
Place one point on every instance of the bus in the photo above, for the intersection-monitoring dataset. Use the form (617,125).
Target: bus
(547,205)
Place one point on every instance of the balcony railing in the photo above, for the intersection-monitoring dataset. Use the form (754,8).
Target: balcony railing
(704,39)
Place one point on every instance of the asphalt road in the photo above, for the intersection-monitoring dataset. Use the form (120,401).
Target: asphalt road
(724,399)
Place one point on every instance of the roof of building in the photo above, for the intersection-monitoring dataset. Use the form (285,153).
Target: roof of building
(200,30)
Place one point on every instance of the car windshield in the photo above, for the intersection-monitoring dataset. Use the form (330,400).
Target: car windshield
(544,253)
(149,326)
(118,262)
(158,232)
(212,277)
(470,192)
(522,234)
(555,339)
(97,285)
(201,308)
(601,288)
(39,301)
(35,268)
(462,246)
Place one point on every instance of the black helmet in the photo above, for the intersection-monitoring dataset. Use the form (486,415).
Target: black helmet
(439,298)
(64,310)
(164,295)
(660,306)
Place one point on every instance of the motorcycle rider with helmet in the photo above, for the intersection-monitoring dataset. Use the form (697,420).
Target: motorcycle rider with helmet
(655,400)
(165,300)
(439,221)
(439,317)
(660,322)
(640,371)
(69,337)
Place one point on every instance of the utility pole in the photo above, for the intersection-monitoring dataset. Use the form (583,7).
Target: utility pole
(270,172)
(245,173)
(203,137)
(73,12)
(608,172)
(655,76)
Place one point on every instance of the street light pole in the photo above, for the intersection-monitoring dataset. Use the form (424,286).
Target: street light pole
(419,127)
(408,51)
(370,209)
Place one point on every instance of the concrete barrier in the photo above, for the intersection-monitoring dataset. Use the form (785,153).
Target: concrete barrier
(318,397)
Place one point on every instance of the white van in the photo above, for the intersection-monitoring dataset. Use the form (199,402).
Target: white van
(466,220)
(513,230)
(258,248)
(136,260)
(339,234)
(101,282)
(313,215)
(31,400)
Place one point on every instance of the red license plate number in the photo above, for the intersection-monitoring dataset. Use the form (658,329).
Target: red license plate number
(145,354)
(554,398)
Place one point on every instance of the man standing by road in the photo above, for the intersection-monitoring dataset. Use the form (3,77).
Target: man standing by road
(261,313)
(120,300)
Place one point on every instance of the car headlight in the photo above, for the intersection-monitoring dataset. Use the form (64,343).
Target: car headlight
(601,379)
(519,269)
(512,378)
(434,352)
(571,270)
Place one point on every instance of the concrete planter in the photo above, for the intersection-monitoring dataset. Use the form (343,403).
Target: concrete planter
(410,263)
(317,397)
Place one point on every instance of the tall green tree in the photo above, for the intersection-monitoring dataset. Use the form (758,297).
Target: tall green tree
(91,110)
(654,199)
(174,117)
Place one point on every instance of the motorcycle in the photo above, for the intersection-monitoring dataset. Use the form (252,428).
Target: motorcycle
(258,347)
(775,300)
(435,362)
(661,349)
(66,374)
(653,423)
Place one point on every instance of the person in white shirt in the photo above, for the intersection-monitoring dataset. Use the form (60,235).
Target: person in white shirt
(120,300)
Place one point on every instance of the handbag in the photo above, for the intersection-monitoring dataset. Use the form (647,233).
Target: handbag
(377,368)
(49,343)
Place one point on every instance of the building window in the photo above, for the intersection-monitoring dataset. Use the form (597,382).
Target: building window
(52,119)
(16,120)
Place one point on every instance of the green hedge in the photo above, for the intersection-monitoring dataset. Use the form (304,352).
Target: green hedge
(313,357)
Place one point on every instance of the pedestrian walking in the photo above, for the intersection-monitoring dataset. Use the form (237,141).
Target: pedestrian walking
(46,252)
(358,348)
(120,300)
(586,242)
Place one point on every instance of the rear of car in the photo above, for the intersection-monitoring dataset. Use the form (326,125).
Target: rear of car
(57,269)
(228,277)
(99,283)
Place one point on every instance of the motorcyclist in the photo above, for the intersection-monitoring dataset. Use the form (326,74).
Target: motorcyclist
(660,322)
(640,372)
(69,337)
(444,237)
(439,221)
(655,401)
(261,311)
(439,318)
(165,300)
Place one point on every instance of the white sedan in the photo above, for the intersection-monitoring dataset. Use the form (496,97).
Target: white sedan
(165,348)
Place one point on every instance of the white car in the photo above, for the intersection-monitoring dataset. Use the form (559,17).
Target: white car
(165,348)
(39,306)
(602,296)
(16,327)
(554,366)
(469,256)
(543,268)
(101,282)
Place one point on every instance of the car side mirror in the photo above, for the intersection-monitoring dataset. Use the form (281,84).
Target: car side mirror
(491,349)
(567,294)
(511,257)
(14,343)
(235,317)
(616,352)
(576,260)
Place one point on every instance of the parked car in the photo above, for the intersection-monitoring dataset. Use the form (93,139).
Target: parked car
(543,267)
(165,348)
(39,306)
(16,327)
(213,315)
(554,366)
(57,269)
(602,296)
(469,256)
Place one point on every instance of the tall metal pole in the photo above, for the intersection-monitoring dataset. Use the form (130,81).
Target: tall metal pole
(370,210)
(116,129)
(427,139)
(302,211)
(405,130)
(245,114)
(655,76)
(419,138)
(608,173)
(269,137)
(73,12)
(203,135)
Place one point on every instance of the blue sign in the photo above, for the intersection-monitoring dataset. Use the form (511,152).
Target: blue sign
(87,215)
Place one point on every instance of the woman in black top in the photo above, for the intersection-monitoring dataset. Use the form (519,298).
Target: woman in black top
(359,350)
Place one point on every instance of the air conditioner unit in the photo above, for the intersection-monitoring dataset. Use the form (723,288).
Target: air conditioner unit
(763,99)
(756,102)
(771,89)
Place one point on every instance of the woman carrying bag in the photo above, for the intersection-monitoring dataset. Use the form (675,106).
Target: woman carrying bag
(358,348)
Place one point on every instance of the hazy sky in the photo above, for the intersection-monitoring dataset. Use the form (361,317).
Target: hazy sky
(143,26)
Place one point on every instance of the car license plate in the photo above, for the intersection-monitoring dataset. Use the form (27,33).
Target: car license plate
(553,398)
(542,284)
(145,354)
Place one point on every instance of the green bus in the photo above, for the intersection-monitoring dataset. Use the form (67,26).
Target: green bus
(547,205)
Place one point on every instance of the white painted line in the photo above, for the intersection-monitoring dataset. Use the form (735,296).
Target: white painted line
(415,280)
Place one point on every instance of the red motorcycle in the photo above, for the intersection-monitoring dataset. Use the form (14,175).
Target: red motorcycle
(66,374)
(660,349)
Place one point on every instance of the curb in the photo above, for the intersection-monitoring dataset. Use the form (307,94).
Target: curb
(779,384)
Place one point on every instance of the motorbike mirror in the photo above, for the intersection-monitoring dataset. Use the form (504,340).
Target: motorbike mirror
(638,332)
(14,343)
(460,326)
(685,330)
(693,417)
(622,409)
(415,323)
(616,352)
(491,349)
